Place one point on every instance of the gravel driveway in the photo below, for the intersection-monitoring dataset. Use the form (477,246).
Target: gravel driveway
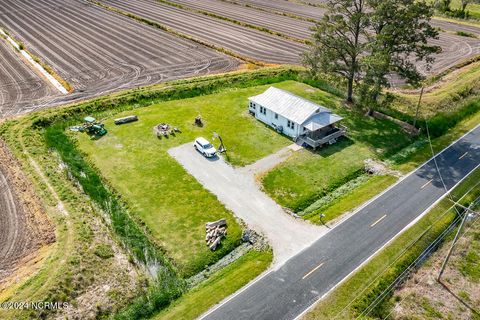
(238,191)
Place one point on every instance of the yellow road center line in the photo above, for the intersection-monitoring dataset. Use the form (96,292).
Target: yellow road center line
(373,224)
(426,184)
(463,156)
(313,270)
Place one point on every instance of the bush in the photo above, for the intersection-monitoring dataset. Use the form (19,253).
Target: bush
(466,34)
(104,251)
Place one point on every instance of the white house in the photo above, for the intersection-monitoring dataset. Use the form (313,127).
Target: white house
(296,117)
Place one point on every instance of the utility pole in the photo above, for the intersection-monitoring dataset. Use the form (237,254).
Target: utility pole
(418,106)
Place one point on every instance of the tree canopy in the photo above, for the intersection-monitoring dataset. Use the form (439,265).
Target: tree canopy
(364,41)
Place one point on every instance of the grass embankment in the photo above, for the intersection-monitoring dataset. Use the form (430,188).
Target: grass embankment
(351,199)
(444,94)
(71,266)
(421,151)
(219,286)
(355,294)
(461,276)
(473,9)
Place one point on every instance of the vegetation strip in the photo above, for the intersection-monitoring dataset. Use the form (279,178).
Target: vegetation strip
(240,23)
(219,286)
(61,85)
(167,285)
(280,13)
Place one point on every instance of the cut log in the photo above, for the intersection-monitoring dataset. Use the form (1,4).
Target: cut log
(221,222)
(126,119)
(214,245)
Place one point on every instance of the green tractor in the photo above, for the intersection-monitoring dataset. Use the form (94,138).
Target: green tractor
(93,127)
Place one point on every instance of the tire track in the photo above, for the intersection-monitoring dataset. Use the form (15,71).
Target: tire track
(98,51)
(19,84)
(247,42)
(23,223)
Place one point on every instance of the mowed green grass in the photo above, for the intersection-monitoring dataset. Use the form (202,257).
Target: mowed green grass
(308,174)
(219,286)
(352,199)
(171,203)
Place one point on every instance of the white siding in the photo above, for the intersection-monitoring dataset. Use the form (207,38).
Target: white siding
(268,117)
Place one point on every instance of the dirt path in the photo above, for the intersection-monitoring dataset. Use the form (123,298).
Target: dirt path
(238,191)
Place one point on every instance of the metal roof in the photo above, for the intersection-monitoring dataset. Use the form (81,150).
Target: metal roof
(288,105)
(321,120)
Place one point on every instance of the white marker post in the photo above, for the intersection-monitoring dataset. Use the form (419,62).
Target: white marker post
(35,64)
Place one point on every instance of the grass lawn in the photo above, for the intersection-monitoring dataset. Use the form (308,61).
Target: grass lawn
(308,175)
(171,203)
(352,199)
(222,284)
(299,181)
(424,153)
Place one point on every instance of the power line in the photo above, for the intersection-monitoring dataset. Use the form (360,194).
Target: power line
(403,252)
(411,244)
(405,273)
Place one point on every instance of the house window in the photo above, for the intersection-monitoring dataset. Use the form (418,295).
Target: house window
(290,124)
(252,105)
(263,110)
(276,115)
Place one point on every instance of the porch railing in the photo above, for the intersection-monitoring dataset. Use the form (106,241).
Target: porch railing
(315,143)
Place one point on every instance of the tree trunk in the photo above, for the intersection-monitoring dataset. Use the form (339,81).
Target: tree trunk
(350,90)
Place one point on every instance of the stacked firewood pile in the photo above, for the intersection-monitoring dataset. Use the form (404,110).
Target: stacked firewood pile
(215,232)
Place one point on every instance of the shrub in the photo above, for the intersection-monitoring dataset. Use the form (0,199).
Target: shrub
(104,251)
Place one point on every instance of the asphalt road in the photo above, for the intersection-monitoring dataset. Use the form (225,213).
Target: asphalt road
(287,292)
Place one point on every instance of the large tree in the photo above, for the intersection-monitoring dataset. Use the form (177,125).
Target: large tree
(365,40)
(339,41)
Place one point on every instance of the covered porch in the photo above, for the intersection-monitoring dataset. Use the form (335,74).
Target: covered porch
(321,129)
